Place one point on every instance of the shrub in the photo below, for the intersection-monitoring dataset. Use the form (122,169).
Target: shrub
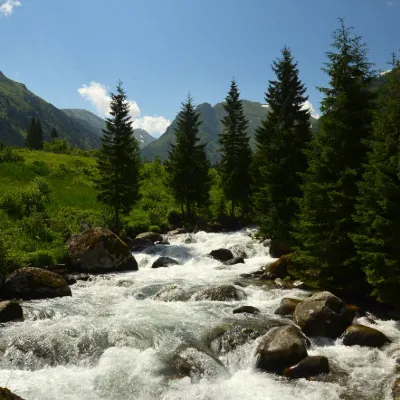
(154,228)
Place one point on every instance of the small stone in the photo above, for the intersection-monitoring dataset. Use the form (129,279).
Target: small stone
(221,255)
(246,310)
(310,366)
(163,262)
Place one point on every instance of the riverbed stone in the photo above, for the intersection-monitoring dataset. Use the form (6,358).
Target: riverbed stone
(287,306)
(171,293)
(221,293)
(35,283)
(153,236)
(361,335)
(323,314)
(221,255)
(163,262)
(6,394)
(138,244)
(246,310)
(278,269)
(100,250)
(281,348)
(10,311)
(310,366)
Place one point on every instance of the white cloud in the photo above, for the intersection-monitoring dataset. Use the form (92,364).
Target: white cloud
(309,106)
(96,93)
(385,72)
(8,7)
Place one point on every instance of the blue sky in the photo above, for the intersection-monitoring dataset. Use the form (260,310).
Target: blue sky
(71,52)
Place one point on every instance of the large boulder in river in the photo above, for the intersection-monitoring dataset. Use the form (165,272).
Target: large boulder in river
(163,262)
(281,348)
(35,283)
(222,255)
(310,366)
(278,269)
(10,311)
(323,314)
(287,306)
(138,244)
(153,236)
(5,394)
(221,293)
(361,335)
(100,250)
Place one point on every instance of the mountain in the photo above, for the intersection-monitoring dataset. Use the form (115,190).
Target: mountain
(94,123)
(18,105)
(211,116)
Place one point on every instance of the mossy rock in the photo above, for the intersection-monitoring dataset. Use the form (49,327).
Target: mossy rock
(221,293)
(5,394)
(153,236)
(361,335)
(35,283)
(278,269)
(10,311)
(287,306)
(100,250)
(396,389)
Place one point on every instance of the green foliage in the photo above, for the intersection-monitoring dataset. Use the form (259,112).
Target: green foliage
(119,160)
(54,133)
(187,164)
(60,146)
(34,135)
(280,159)
(155,228)
(8,154)
(336,159)
(378,203)
(235,152)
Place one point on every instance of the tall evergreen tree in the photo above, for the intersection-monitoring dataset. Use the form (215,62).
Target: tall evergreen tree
(279,158)
(235,152)
(336,160)
(119,159)
(54,133)
(39,135)
(30,140)
(187,163)
(378,209)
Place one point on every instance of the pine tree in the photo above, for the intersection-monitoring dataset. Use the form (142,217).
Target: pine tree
(54,134)
(187,162)
(38,136)
(336,160)
(31,135)
(378,211)
(119,160)
(235,152)
(279,159)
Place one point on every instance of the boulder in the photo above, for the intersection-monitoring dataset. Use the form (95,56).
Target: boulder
(278,269)
(246,310)
(361,335)
(138,244)
(171,293)
(153,236)
(71,280)
(82,277)
(5,394)
(310,366)
(163,262)
(278,249)
(60,269)
(35,283)
(178,231)
(221,255)
(323,314)
(100,250)
(396,389)
(281,348)
(10,311)
(221,293)
(234,261)
(287,306)
(215,227)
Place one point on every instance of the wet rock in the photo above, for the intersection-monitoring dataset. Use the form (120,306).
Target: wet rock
(221,293)
(281,348)
(310,366)
(164,243)
(100,250)
(138,244)
(246,310)
(153,236)
(215,227)
(233,333)
(5,394)
(234,261)
(323,314)
(163,262)
(82,277)
(278,269)
(171,293)
(35,283)
(178,231)
(396,389)
(71,280)
(189,239)
(361,335)
(287,306)
(239,251)
(10,311)
(221,255)
(278,249)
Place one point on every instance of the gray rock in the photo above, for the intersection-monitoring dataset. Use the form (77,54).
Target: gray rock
(221,293)
(323,314)
(361,335)
(60,269)
(287,306)
(281,348)
(171,293)
(139,244)
(310,366)
(163,262)
(221,255)
(100,250)
(153,236)
(246,310)
(10,311)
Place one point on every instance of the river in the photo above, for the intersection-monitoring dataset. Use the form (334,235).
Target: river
(113,340)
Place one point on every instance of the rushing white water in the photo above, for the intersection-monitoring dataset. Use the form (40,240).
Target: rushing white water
(112,340)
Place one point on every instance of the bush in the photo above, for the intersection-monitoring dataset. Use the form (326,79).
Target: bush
(155,228)
(60,146)
(8,154)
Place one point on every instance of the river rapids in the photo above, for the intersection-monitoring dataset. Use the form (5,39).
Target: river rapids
(113,340)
